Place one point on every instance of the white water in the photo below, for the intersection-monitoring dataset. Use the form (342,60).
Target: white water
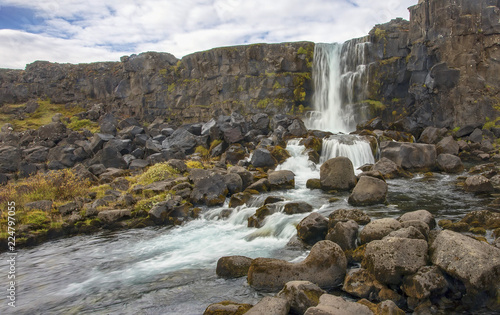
(340,84)
(357,149)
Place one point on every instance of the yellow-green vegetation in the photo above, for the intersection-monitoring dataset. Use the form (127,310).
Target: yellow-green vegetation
(491,123)
(100,190)
(194,164)
(301,51)
(277,85)
(380,34)
(163,72)
(148,203)
(156,173)
(455,129)
(171,88)
(214,143)
(78,124)
(389,60)
(308,52)
(201,150)
(377,105)
(58,186)
(42,115)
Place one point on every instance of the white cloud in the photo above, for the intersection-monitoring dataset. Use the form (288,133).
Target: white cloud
(95,30)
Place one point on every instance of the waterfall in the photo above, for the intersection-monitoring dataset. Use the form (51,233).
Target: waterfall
(340,84)
(354,147)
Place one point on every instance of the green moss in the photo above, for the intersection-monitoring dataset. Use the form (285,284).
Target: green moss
(204,152)
(171,88)
(389,60)
(155,173)
(380,34)
(377,105)
(214,143)
(38,219)
(163,72)
(194,164)
(277,85)
(301,51)
(77,124)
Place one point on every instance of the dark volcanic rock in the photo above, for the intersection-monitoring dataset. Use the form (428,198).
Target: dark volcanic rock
(337,174)
(368,191)
(312,228)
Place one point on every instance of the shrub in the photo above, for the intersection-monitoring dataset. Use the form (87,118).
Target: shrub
(157,172)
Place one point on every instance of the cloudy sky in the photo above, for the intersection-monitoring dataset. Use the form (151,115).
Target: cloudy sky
(104,30)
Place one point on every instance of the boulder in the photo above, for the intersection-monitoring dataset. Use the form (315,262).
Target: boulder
(233,182)
(54,131)
(295,207)
(313,183)
(478,184)
(337,174)
(9,159)
(431,135)
(484,218)
(257,219)
(390,259)
(388,307)
(421,215)
(368,191)
(260,122)
(227,308)
(246,176)
(239,199)
(297,128)
(270,305)
(410,156)
(312,228)
(301,295)
(98,140)
(68,208)
(279,180)
(110,216)
(344,234)
(108,123)
(45,205)
(333,305)
(233,266)
(476,136)
(181,139)
(235,153)
(325,266)
(261,185)
(449,163)
(361,283)
(387,168)
(475,263)
(447,146)
(110,157)
(356,215)
(211,190)
(262,158)
(426,282)
(408,232)
(421,226)
(378,229)
(138,164)
(37,154)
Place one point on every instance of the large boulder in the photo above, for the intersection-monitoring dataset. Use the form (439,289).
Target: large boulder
(449,163)
(344,234)
(301,295)
(478,184)
(233,266)
(475,263)
(295,207)
(337,174)
(210,190)
(387,168)
(9,159)
(368,191)
(182,139)
(325,266)
(332,305)
(431,135)
(378,229)
(110,216)
(110,157)
(447,146)
(356,215)
(312,228)
(410,156)
(392,258)
(281,180)
(262,158)
(233,182)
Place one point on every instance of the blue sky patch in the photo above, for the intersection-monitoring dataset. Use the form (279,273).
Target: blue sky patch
(16,18)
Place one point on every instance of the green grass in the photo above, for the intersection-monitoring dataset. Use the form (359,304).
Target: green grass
(78,124)
(156,173)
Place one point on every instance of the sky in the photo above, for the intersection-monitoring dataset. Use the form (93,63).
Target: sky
(77,31)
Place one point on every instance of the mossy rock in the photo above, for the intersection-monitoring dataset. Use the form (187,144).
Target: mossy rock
(483,218)
(280,154)
(313,183)
(478,230)
(227,308)
(356,255)
(313,143)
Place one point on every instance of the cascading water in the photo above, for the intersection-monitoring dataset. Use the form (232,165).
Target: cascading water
(340,85)
(356,148)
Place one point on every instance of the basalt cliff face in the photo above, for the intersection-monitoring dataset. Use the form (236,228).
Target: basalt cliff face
(439,69)
(255,78)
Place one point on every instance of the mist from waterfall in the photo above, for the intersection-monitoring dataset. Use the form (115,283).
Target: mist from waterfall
(340,84)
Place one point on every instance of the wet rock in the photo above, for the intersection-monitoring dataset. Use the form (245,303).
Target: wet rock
(410,156)
(483,218)
(331,305)
(300,295)
(420,215)
(279,180)
(356,215)
(368,191)
(275,199)
(257,220)
(263,158)
(387,168)
(227,308)
(233,266)
(344,234)
(447,146)
(426,282)
(295,207)
(325,266)
(270,305)
(378,229)
(475,263)
(239,199)
(392,258)
(478,184)
(449,163)
(211,190)
(312,228)
(245,175)
(110,216)
(261,185)
(297,128)
(313,183)
(361,283)
(408,232)
(337,174)
(44,205)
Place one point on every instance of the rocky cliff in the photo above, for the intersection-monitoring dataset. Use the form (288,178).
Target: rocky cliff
(441,68)
(268,78)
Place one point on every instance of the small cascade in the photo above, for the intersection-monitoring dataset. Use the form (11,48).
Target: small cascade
(354,147)
(340,84)
(299,163)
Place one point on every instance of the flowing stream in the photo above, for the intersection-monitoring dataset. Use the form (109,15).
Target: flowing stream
(171,270)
